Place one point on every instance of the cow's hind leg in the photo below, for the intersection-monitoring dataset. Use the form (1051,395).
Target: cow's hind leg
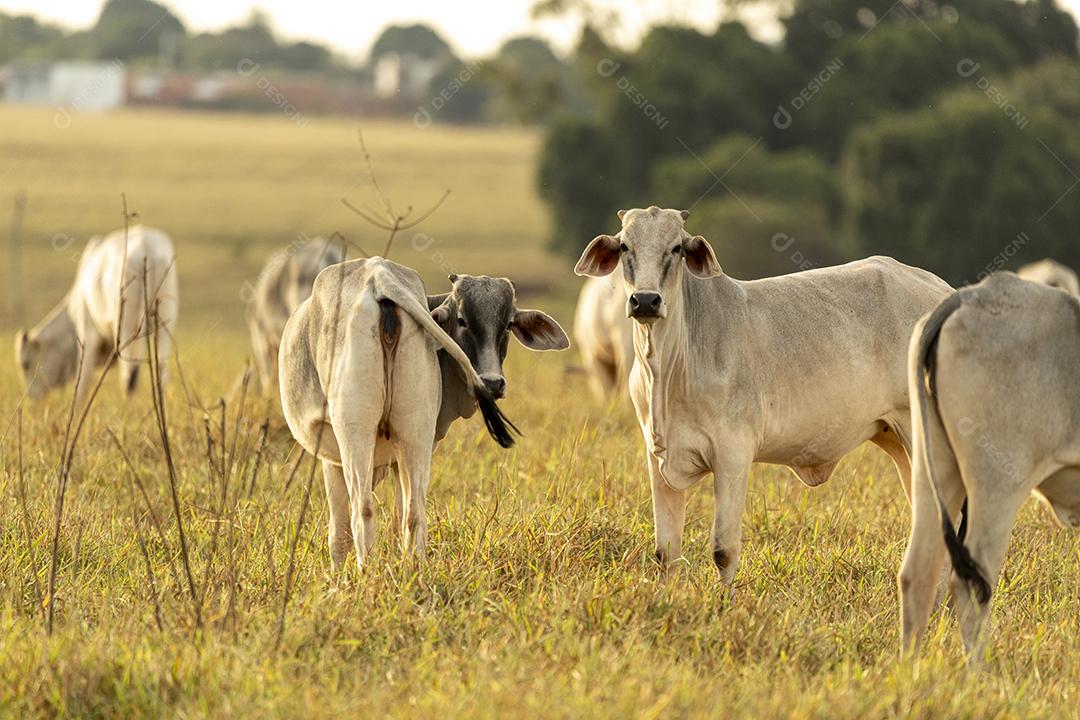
(413,414)
(925,555)
(414,473)
(339,536)
(358,465)
(894,439)
(601,376)
(1061,491)
(263,359)
(994,498)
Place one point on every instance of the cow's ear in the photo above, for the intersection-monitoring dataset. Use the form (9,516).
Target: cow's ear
(442,312)
(600,258)
(700,258)
(434,301)
(538,331)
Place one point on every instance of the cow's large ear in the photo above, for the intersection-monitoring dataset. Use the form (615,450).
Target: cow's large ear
(434,301)
(600,258)
(538,331)
(442,309)
(700,258)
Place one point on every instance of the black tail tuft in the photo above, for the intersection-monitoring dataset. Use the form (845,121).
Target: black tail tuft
(133,379)
(963,564)
(498,425)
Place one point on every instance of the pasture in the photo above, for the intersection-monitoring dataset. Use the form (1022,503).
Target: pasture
(539,595)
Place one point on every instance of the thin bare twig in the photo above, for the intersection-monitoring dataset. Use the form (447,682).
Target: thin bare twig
(291,568)
(158,396)
(392,223)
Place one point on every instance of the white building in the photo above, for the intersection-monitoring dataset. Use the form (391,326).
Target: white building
(77,85)
(407,76)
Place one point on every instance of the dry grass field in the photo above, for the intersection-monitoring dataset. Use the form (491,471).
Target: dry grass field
(538,596)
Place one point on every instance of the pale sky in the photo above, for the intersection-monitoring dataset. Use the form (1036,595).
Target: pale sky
(473,28)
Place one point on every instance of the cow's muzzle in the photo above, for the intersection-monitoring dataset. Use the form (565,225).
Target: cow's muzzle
(495,384)
(645,306)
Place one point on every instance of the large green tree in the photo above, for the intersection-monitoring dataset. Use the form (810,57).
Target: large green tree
(972,185)
(419,40)
(132,29)
(529,81)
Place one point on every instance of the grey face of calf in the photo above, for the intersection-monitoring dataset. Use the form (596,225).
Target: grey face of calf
(480,314)
(653,248)
(42,366)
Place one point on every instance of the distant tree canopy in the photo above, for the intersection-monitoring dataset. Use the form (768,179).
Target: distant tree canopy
(915,129)
(938,131)
(23,37)
(142,32)
(130,29)
(419,40)
(530,82)
(951,188)
(817,29)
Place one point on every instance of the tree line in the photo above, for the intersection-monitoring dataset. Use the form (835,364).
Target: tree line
(940,133)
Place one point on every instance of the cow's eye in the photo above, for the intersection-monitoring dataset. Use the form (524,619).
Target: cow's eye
(509,326)
(677,250)
(623,248)
(462,324)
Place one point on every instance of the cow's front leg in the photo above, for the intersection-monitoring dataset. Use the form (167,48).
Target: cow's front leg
(89,359)
(729,490)
(669,516)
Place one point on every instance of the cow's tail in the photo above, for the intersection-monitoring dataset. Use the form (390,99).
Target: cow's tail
(498,425)
(389,334)
(923,366)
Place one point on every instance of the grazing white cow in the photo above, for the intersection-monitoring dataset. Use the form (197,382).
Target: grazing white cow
(604,335)
(373,372)
(80,333)
(284,283)
(1051,272)
(996,413)
(796,370)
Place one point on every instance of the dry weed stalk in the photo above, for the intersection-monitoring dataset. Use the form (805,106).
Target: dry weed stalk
(291,567)
(73,429)
(392,222)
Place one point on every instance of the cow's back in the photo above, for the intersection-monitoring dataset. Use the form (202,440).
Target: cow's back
(862,312)
(813,359)
(286,281)
(142,264)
